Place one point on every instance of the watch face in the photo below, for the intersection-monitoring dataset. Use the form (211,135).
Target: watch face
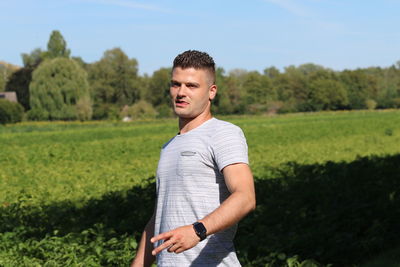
(200,230)
(200,227)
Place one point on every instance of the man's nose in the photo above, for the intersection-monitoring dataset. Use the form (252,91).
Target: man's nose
(182,90)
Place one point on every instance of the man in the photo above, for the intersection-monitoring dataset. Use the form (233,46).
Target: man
(204,183)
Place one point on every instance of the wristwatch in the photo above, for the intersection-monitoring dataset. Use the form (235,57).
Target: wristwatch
(200,230)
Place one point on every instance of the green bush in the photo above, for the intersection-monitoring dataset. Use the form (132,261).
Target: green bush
(105,111)
(10,112)
(164,111)
(371,104)
(84,110)
(37,114)
(140,110)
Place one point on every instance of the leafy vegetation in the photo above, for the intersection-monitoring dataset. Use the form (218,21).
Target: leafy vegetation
(6,70)
(10,112)
(114,83)
(79,194)
(58,91)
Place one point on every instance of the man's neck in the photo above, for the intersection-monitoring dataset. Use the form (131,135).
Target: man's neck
(186,125)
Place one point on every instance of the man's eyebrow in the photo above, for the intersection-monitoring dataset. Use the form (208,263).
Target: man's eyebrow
(174,82)
(193,84)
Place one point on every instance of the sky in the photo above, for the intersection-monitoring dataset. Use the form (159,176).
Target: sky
(250,35)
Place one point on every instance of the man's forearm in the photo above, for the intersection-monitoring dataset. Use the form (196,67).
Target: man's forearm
(231,211)
(239,180)
(235,207)
(143,257)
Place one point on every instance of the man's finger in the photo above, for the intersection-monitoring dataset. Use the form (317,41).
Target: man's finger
(179,250)
(174,247)
(164,245)
(162,236)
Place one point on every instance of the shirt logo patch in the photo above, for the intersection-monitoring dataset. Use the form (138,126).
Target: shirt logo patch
(188,153)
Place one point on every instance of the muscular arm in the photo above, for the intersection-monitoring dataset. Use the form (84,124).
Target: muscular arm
(239,180)
(143,257)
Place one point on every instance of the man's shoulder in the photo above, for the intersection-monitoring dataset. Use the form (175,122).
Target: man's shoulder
(223,127)
(224,131)
(167,143)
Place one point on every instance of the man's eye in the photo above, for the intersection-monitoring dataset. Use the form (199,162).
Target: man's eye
(173,84)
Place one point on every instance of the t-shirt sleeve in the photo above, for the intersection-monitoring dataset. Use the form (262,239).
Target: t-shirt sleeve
(229,147)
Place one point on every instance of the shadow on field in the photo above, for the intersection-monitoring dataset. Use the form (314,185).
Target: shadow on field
(339,213)
(121,212)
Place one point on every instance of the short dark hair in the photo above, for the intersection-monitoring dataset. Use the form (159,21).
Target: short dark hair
(197,60)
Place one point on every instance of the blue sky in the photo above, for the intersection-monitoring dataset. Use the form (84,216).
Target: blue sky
(252,34)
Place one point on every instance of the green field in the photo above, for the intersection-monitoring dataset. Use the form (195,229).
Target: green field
(78,194)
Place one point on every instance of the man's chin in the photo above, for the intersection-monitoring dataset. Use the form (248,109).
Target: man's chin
(184,115)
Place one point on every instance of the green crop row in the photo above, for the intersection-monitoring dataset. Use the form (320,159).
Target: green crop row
(79,194)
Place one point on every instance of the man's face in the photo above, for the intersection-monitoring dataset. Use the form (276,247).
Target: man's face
(191,91)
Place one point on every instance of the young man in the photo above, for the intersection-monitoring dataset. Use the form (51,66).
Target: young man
(204,183)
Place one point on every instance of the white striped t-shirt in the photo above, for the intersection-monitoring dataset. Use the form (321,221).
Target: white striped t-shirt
(190,185)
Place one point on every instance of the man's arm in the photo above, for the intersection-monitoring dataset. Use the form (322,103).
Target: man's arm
(143,257)
(239,180)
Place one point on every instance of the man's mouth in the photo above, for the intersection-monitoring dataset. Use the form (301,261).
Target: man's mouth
(181,103)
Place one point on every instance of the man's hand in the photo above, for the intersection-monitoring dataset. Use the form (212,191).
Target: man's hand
(177,240)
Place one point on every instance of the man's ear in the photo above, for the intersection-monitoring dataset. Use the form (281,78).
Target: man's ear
(212,91)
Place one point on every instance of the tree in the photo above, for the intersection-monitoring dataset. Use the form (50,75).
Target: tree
(114,79)
(294,86)
(360,87)
(57,46)
(230,88)
(158,88)
(6,71)
(388,87)
(327,94)
(258,92)
(220,103)
(3,78)
(271,72)
(292,89)
(309,68)
(20,79)
(34,58)
(19,83)
(56,88)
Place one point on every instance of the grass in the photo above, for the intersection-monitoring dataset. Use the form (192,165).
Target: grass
(77,168)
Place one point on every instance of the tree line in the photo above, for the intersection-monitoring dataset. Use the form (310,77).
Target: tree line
(52,85)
